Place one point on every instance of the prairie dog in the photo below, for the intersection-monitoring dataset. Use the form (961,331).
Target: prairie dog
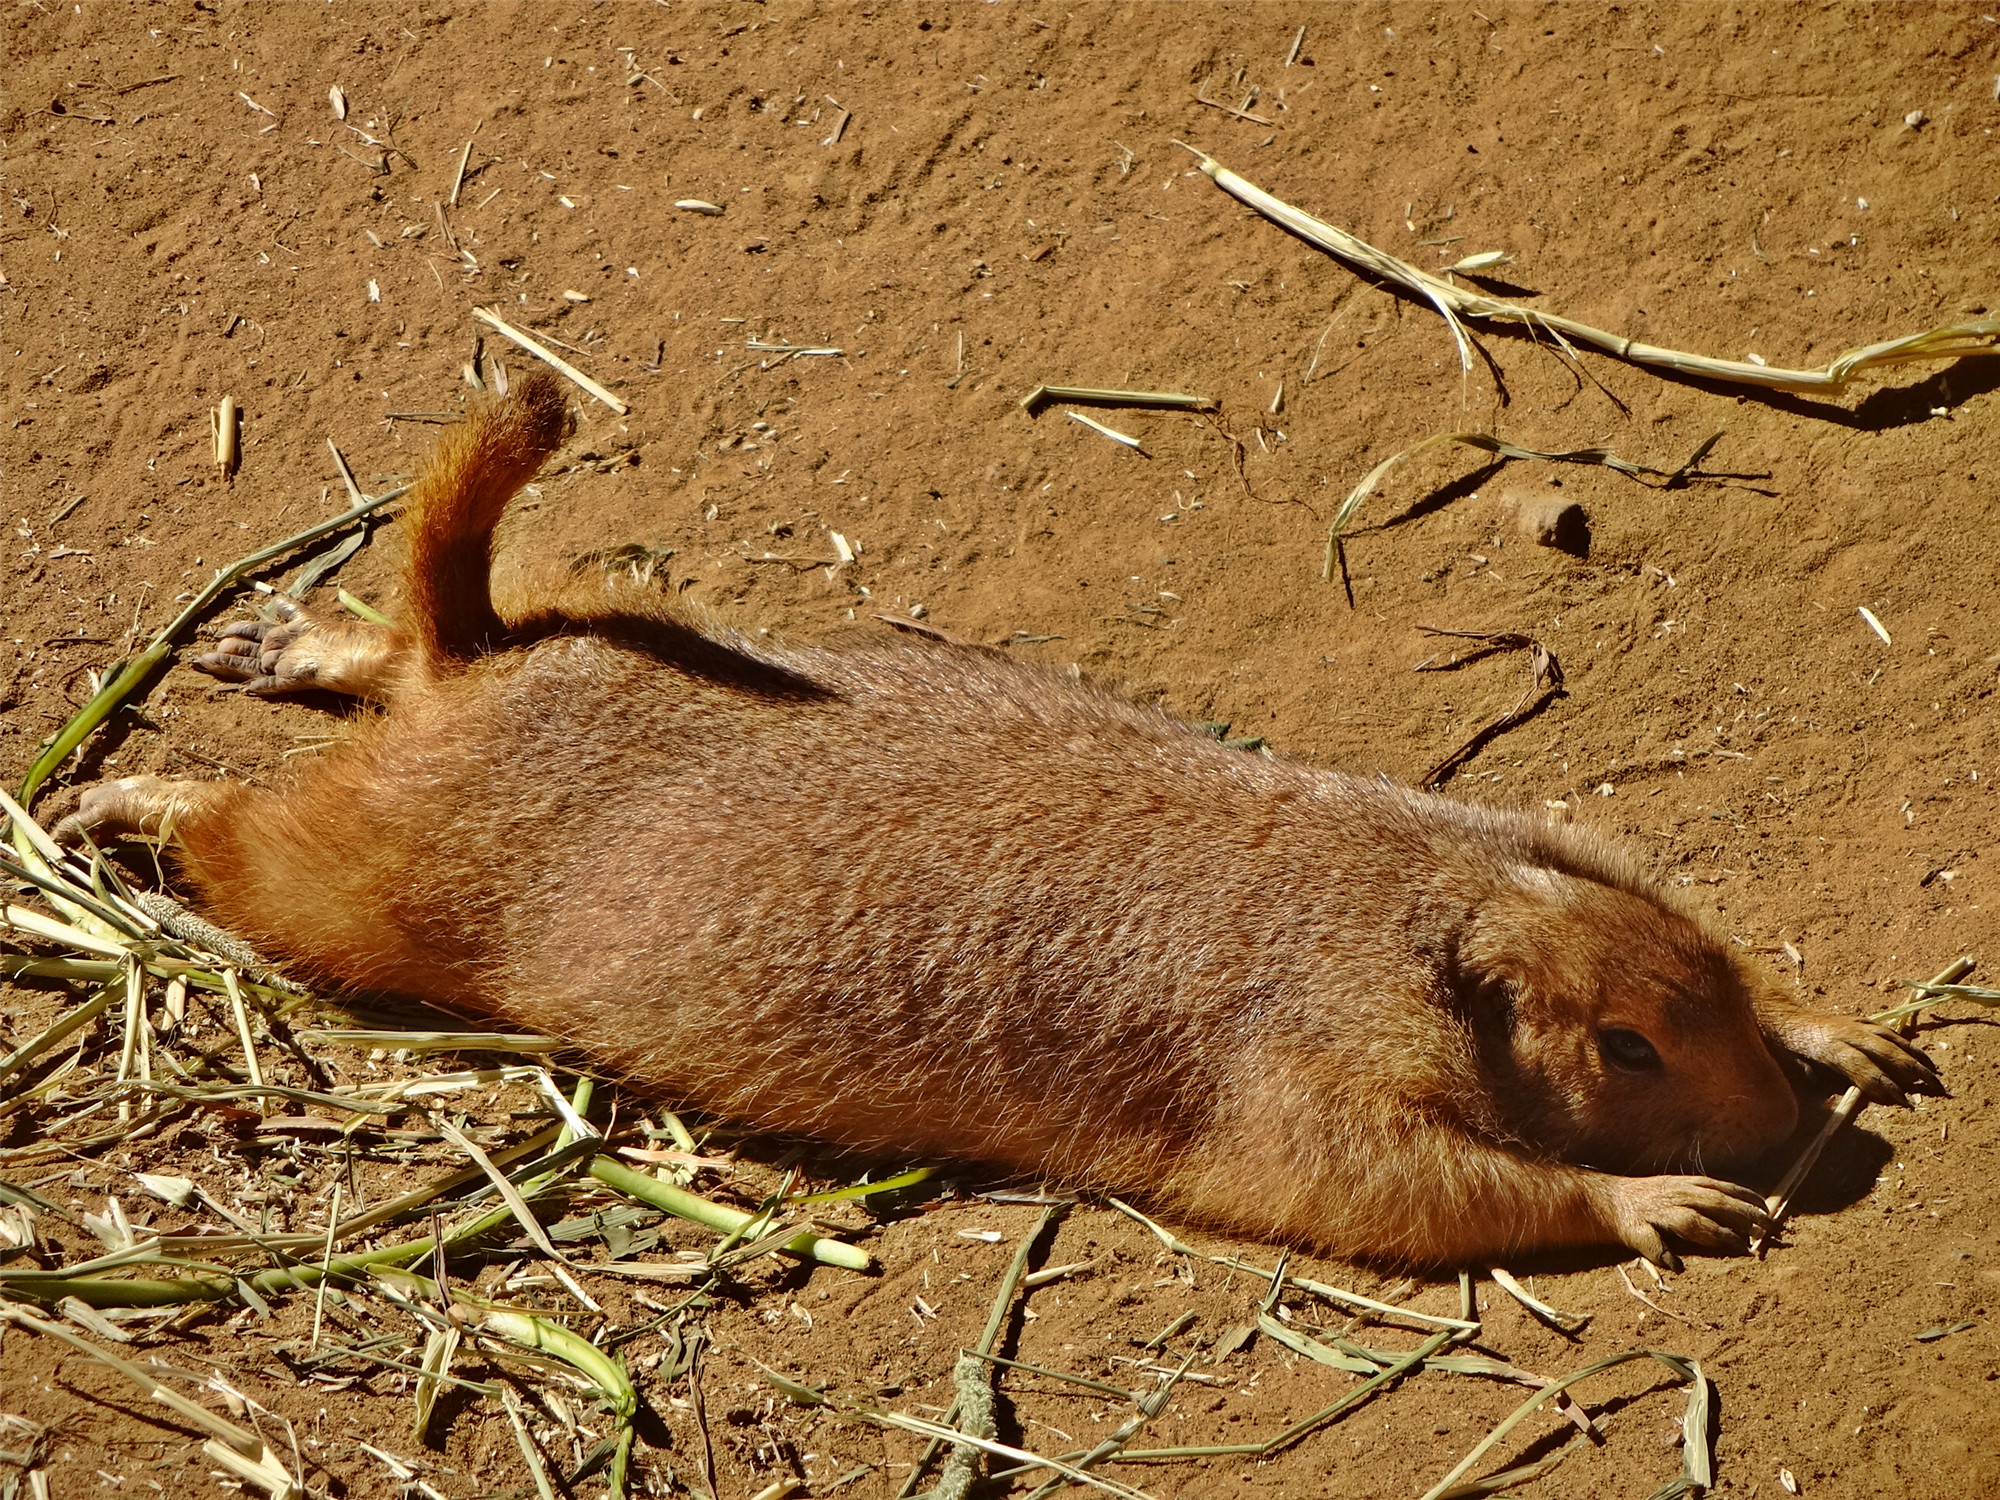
(920,896)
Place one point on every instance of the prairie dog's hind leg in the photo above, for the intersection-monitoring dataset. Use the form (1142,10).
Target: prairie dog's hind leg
(139,806)
(302,651)
(293,877)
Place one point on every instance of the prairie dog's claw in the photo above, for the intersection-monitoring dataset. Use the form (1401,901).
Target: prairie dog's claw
(1884,1066)
(1703,1211)
(299,652)
(258,654)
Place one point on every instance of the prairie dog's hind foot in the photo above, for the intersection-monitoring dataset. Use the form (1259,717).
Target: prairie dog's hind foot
(136,806)
(301,651)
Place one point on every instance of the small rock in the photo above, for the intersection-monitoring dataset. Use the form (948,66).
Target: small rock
(1552,521)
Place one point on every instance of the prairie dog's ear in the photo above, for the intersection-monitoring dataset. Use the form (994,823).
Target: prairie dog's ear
(1490,998)
(1528,948)
(1489,966)
(1516,915)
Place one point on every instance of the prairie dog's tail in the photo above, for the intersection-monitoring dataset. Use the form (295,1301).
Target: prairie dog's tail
(472,473)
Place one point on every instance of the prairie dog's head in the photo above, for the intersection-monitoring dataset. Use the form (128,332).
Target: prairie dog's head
(1624,1036)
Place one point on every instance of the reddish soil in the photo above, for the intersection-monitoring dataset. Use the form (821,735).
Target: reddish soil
(996,201)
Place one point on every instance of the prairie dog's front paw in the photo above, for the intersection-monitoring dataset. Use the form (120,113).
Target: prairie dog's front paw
(1872,1058)
(1703,1211)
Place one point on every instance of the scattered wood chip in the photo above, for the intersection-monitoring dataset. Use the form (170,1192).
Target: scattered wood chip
(1111,432)
(507,330)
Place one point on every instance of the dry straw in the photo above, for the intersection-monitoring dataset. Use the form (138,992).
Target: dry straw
(226,426)
(244,1454)
(1084,395)
(1385,1366)
(548,357)
(1980,336)
(1945,986)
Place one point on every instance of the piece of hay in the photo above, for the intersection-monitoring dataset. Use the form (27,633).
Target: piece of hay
(1949,341)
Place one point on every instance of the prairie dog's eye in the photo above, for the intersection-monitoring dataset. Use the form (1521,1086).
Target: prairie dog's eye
(1627,1050)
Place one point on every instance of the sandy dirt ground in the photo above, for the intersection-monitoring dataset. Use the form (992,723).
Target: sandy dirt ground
(966,201)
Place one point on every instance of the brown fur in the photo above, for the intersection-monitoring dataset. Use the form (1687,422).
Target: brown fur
(920,896)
